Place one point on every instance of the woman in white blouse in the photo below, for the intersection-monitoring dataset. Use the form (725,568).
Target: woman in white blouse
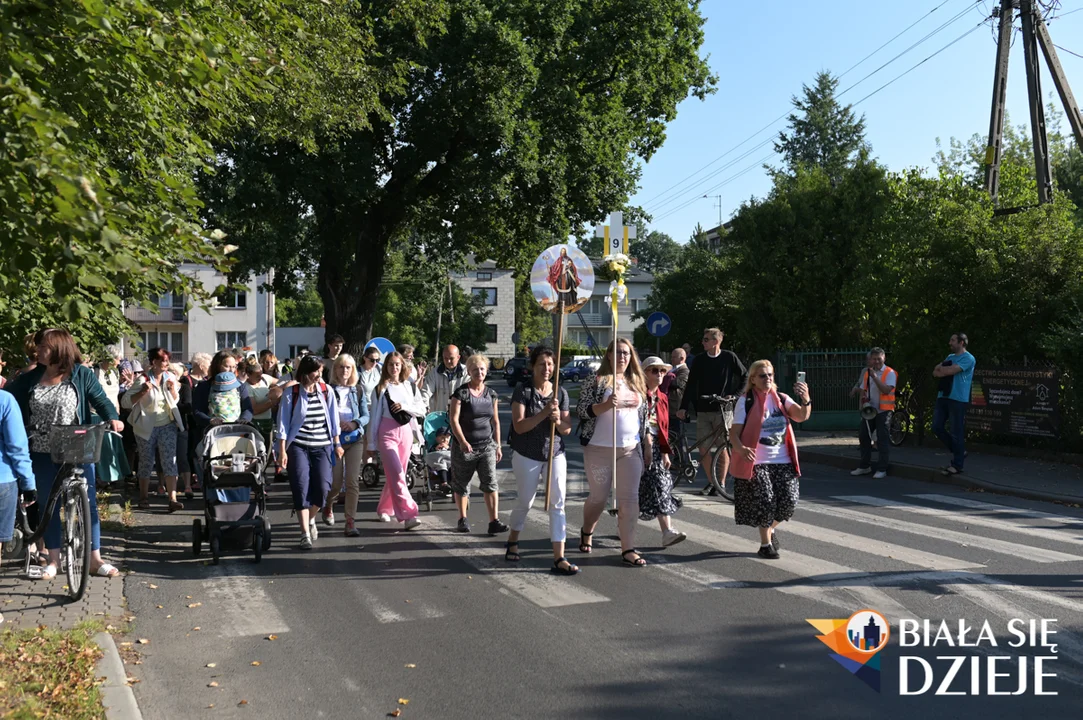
(396,405)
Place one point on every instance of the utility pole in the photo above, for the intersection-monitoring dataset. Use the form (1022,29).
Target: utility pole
(1035,33)
(717,198)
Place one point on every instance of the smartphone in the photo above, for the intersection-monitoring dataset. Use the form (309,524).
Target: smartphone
(801,376)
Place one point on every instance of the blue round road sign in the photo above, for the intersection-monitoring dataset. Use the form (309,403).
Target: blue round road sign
(658,324)
(383,345)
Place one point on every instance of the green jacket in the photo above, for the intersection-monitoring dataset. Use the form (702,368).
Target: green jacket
(87,388)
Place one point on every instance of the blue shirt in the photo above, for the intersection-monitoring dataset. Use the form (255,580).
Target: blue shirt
(960,388)
(14,446)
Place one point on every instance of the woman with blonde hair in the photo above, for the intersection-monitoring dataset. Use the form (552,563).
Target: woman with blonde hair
(612,404)
(396,405)
(475,425)
(353,417)
(764,462)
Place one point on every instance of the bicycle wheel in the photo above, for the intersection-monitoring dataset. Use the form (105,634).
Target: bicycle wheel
(899,428)
(76,538)
(725,485)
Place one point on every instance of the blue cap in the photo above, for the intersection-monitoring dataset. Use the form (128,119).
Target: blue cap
(225,381)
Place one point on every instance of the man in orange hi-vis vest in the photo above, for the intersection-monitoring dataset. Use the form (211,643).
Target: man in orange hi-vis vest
(876,385)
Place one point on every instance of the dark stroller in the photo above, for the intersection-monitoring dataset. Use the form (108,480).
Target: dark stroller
(234,458)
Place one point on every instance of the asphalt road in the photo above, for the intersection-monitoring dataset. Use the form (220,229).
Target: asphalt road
(707,630)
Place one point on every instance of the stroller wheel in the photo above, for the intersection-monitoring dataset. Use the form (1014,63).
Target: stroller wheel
(257,544)
(215,549)
(266,535)
(370,476)
(197,536)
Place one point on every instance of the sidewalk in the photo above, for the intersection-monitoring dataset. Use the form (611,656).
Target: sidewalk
(1021,477)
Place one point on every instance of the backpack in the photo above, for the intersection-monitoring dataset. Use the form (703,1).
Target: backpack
(297,394)
(225,406)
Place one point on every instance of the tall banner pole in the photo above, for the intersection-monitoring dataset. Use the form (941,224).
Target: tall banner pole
(613,361)
(556,396)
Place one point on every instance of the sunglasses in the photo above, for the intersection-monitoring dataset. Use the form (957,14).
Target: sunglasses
(766,376)
(657,371)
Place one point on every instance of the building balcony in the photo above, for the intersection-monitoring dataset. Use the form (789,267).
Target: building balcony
(164,316)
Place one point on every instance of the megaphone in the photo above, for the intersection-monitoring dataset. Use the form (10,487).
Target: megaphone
(868,412)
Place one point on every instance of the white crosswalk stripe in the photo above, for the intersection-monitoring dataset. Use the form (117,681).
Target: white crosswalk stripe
(955,517)
(991,509)
(418,609)
(244,603)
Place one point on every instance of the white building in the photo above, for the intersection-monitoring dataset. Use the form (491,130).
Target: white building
(240,319)
(595,319)
(496,288)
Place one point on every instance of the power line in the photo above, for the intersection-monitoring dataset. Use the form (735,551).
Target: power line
(667,197)
(1066,49)
(908,28)
(874,92)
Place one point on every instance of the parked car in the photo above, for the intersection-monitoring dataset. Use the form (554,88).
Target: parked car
(576,370)
(516,371)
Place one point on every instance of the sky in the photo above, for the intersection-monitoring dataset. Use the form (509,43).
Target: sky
(764,52)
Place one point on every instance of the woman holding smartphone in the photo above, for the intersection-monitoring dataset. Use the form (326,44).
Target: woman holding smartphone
(764,462)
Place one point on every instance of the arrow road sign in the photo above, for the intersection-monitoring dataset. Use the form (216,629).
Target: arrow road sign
(658,324)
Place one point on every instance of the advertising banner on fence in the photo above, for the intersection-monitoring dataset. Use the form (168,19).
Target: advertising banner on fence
(1015,401)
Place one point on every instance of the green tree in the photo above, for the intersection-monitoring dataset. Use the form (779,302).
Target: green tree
(654,251)
(515,123)
(300,308)
(822,133)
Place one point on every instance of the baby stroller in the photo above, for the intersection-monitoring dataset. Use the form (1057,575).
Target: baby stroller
(436,424)
(417,473)
(234,458)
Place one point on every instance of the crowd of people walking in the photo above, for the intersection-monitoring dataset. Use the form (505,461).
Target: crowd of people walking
(332,416)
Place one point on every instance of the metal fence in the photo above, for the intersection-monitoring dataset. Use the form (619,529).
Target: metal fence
(830,374)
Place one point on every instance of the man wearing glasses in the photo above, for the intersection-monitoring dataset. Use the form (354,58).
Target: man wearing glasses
(715,372)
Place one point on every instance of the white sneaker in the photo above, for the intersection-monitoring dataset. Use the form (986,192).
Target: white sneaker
(880,475)
(383,518)
(313,531)
(328,518)
(861,471)
(412,523)
(672,537)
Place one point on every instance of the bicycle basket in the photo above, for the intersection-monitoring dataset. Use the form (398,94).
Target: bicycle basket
(76,444)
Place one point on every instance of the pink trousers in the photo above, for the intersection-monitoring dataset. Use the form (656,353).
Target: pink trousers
(394,442)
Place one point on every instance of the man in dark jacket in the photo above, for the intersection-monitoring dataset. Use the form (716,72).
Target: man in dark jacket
(716,372)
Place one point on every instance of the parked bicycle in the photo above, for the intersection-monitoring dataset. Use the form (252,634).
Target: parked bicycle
(71,447)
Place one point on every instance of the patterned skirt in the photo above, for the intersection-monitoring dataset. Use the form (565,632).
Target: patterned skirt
(770,495)
(656,489)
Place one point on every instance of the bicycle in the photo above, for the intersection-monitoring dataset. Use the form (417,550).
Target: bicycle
(719,438)
(71,446)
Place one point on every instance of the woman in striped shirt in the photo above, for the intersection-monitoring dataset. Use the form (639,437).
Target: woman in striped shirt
(308,428)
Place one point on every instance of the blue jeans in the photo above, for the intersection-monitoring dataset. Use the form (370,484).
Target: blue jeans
(44,476)
(9,495)
(953,412)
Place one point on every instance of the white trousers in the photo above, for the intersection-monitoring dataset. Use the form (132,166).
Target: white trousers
(529,475)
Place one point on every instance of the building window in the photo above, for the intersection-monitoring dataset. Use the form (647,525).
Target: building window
(295,350)
(490,337)
(233,299)
(484,275)
(230,340)
(596,306)
(173,342)
(487,296)
(169,300)
(639,305)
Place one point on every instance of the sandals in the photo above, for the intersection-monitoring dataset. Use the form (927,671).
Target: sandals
(106,570)
(175,506)
(638,562)
(144,504)
(48,572)
(950,470)
(569,570)
(583,546)
(509,554)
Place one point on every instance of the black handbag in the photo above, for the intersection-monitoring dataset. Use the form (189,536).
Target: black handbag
(402,417)
(946,383)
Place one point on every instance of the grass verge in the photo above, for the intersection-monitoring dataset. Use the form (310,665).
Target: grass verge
(46,673)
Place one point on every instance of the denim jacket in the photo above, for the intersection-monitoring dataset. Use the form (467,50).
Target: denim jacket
(14,445)
(358,411)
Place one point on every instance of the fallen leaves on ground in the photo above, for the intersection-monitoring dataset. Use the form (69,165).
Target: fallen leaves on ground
(403,701)
(243,702)
(143,641)
(197,628)
(272,637)
(50,673)
(152,586)
(212,683)
(395,713)
(158,606)
(257,663)
(210,665)
(410,665)
(195,604)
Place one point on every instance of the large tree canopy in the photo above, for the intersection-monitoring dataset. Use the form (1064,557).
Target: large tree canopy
(822,132)
(516,122)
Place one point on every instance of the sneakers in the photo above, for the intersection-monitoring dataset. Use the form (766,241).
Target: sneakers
(861,471)
(350,530)
(412,523)
(496,527)
(880,475)
(306,543)
(328,517)
(709,491)
(463,526)
(383,518)
(768,553)
(672,537)
(312,529)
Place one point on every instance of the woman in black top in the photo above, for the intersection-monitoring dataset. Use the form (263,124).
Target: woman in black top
(475,426)
(534,410)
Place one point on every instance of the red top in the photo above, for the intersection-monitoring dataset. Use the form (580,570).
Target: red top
(659,408)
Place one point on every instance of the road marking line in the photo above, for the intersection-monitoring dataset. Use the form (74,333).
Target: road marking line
(1004,510)
(960,518)
(1002,547)
(243,602)
(382,612)
(872,546)
(543,589)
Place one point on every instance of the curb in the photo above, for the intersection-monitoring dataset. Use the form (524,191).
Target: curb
(928,474)
(117,695)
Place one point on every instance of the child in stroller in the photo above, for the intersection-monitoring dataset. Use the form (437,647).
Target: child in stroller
(234,457)
(438,460)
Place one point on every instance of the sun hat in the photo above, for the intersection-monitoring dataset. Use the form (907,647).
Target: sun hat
(225,381)
(654,360)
